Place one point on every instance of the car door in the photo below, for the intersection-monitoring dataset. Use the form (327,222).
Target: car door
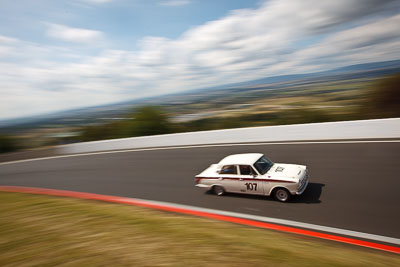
(248,182)
(229,178)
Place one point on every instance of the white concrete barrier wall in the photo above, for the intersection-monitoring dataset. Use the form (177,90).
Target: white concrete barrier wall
(365,129)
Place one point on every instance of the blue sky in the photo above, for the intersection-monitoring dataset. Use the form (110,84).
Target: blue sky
(59,55)
(124,22)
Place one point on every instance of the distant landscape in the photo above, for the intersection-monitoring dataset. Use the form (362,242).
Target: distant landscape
(365,91)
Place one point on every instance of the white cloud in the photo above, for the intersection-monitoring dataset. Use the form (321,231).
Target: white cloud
(366,43)
(175,3)
(7,40)
(75,35)
(278,38)
(367,34)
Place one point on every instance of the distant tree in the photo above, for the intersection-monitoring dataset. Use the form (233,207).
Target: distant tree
(150,120)
(8,144)
(144,121)
(384,100)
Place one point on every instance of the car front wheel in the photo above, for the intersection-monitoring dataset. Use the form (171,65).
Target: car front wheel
(281,195)
(218,190)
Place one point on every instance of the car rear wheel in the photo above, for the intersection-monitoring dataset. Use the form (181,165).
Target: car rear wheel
(282,195)
(218,190)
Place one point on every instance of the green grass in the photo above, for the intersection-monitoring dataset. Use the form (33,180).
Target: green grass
(53,231)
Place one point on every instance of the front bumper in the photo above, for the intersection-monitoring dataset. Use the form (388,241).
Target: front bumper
(302,189)
(303,186)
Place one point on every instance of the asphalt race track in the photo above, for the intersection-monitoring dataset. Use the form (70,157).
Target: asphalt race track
(354,186)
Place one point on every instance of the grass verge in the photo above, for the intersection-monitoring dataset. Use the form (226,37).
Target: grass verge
(54,231)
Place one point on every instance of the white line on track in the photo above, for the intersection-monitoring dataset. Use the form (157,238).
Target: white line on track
(199,146)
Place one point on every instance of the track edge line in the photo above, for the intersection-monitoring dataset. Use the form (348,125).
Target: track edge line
(176,209)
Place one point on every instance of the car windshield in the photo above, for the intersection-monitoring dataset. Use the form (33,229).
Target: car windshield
(263,165)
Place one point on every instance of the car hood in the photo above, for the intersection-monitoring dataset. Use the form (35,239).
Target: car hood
(285,171)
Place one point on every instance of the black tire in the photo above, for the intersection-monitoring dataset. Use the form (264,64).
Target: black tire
(218,190)
(282,194)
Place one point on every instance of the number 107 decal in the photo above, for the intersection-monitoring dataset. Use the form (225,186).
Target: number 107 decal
(251,186)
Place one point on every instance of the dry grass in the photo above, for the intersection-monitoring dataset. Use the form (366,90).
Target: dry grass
(52,231)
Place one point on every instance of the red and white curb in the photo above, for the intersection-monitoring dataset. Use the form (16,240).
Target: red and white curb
(239,218)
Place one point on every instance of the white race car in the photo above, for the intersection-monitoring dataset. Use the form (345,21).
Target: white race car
(253,173)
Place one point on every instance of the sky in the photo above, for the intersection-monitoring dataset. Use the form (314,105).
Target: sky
(60,55)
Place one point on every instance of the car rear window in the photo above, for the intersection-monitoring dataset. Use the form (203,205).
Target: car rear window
(228,169)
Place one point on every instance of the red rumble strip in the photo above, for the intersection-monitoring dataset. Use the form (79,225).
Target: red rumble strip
(171,208)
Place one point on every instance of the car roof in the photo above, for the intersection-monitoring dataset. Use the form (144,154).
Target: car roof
(247,158)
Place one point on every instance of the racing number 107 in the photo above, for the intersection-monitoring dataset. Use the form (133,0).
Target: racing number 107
(251,186)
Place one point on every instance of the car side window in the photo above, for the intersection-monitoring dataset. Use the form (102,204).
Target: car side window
(228,169)
(246,170)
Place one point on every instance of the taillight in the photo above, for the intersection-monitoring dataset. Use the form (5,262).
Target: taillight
(197,180)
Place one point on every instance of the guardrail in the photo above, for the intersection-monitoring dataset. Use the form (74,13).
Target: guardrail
(346,130)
